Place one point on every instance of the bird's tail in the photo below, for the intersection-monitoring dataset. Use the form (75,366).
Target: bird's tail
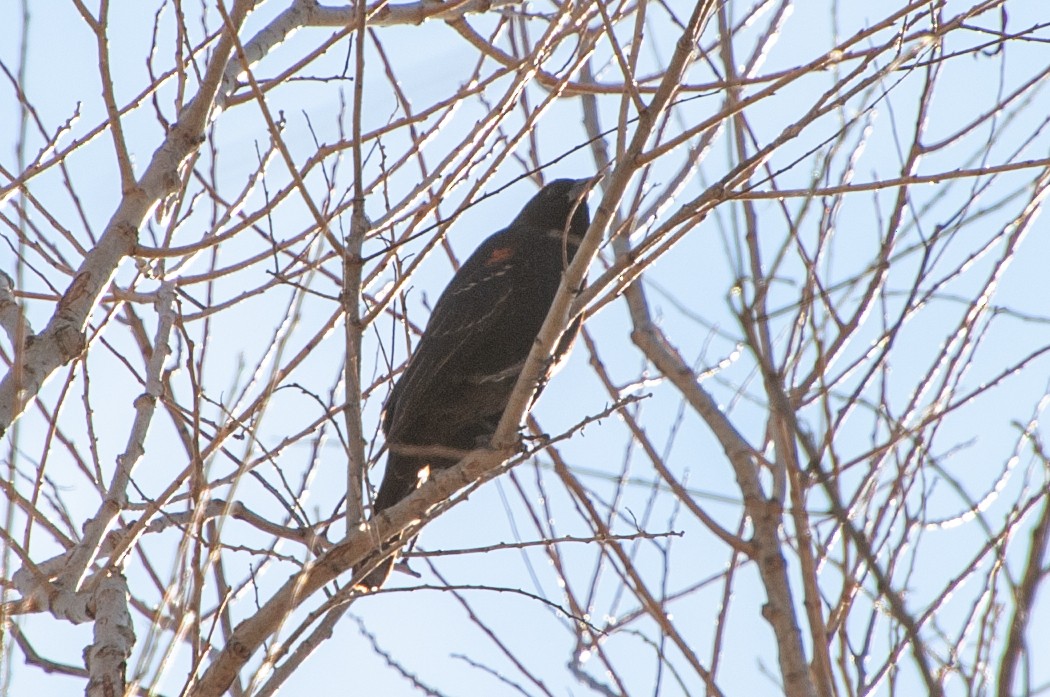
(377,576)
(399,480)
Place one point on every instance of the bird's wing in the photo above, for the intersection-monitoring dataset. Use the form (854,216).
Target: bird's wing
(471,299)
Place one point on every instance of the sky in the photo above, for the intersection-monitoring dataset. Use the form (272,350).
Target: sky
(428,627)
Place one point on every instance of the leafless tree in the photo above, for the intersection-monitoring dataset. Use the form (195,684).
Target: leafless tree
(798,448)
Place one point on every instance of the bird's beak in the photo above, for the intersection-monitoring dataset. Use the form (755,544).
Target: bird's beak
(582,187)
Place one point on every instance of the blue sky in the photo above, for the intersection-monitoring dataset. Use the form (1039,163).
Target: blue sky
(692,296)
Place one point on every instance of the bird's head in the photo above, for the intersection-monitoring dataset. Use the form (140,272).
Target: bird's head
(551,207)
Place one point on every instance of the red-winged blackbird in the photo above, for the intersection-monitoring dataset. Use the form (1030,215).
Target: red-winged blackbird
(459,379)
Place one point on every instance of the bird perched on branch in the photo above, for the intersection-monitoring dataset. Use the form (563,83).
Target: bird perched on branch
(458,381)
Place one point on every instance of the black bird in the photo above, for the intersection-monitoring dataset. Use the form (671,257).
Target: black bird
(460,377)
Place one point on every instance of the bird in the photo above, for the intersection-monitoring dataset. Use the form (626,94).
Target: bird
(459,379)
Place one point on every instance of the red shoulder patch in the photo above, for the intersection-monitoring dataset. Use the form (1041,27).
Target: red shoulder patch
(500,255)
